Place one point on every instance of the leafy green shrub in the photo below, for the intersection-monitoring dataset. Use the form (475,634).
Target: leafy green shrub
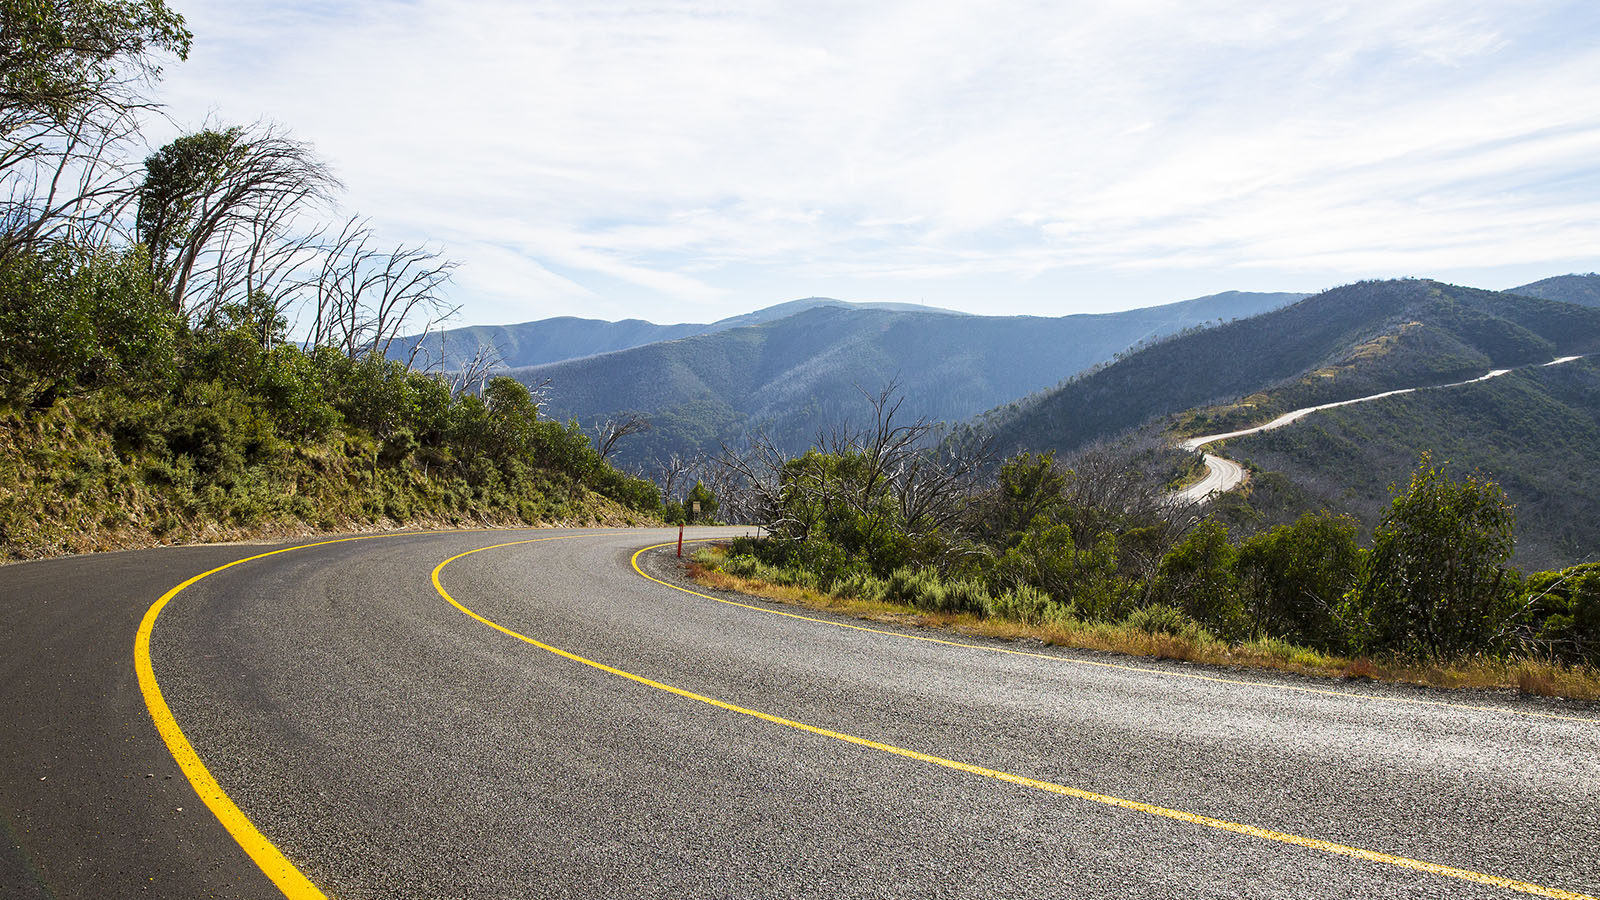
(860,586)
(1293,577)
(1199,577)
(744,565)
(1048,557)
(1024,603)
(1435,582)
(966,595)
(1162,618)
(1561,613)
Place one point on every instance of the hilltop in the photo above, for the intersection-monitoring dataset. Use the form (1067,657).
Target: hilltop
(1583,290)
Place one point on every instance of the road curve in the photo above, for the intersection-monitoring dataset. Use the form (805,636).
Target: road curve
(1223,474)
(391,744)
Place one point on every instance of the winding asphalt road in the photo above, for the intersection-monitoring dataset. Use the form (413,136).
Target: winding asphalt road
(541,720)
(1223,474)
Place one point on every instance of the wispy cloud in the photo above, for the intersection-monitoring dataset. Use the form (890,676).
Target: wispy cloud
(606,158)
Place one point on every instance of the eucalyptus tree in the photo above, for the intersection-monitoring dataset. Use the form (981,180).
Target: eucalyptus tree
(222,213)
(74,80)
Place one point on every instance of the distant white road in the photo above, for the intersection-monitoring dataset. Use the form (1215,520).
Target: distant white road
(1224,474)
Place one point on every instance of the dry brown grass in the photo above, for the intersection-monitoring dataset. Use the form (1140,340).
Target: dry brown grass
(1524,676)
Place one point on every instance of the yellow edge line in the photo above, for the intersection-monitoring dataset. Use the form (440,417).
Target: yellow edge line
(1037,784)
(283,873)
(1376,698)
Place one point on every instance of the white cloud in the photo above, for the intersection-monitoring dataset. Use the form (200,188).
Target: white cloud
(596,156)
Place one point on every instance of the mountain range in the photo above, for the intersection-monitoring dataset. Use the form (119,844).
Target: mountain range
(789,376)
(1536,431)
(567,337)
(1206,365)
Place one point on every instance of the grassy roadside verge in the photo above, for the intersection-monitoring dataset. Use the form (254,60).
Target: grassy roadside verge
(1521,676)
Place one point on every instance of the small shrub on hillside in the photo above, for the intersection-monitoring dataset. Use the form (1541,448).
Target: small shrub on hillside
(1162,618)
(1023,603)
(1561,614)
(744,565)
(966,595)
(860,586)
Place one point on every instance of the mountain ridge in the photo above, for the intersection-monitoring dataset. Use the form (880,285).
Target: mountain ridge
(561,338)
(793,375)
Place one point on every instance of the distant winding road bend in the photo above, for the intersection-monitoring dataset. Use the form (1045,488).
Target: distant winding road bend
(523,714)
(1223,474)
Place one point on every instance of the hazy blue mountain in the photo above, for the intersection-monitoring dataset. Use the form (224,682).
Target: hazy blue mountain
(792,375)
(1583,290)
(1346,342)
(568,337)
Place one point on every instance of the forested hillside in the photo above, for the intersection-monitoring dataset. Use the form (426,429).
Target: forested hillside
(1536,431)
(1583,290)
(1347,342)
(794,375)
(149,388)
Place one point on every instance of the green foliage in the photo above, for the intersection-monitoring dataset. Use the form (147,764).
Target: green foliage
(860,586)
(1048,557)
(72,321)
(1200,576)
(177,178)
(58,56)
(708,503)
(1435,581)
(836,510)
(1560,613)
(1294,576)
(1027,604)
(174,430)
(1162,618)
(1030,486)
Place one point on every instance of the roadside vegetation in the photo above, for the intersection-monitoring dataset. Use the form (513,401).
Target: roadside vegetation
(193,347)
(1094,554)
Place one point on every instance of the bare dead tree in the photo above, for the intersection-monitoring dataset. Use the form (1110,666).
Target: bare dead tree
(63,181)
(616,427)
(672,473)
(366,297)
(475,372)
(1110,488)
(756,484)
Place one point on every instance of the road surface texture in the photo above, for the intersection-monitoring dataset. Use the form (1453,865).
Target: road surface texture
(1223,474)
(541,720)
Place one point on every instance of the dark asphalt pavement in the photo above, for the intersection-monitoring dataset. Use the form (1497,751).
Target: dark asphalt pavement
(392,746)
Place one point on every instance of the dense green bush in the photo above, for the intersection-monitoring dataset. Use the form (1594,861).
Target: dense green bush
(1560,614)
(1435,582)
(1293,577)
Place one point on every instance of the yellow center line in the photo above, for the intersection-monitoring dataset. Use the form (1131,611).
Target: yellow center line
(283,873)
(1376,698)
(1021,780)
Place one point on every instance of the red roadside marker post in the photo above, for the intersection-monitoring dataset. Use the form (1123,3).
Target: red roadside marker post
(680,542)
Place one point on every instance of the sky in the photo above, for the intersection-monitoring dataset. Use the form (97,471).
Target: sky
(687,161)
